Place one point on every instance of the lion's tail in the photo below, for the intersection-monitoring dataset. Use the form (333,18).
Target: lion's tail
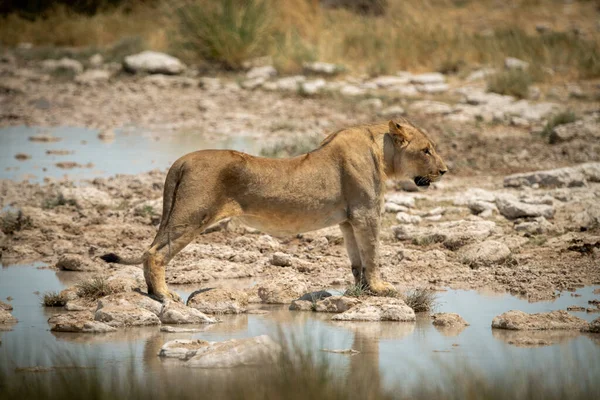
(113,258)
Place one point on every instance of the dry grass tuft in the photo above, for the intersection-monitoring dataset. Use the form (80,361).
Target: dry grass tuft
(95,288)
(421,300)
(53,299)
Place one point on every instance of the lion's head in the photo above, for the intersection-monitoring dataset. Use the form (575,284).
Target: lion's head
(415,156)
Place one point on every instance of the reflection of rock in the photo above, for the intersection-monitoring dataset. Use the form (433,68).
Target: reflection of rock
(181,348)
(232,353)
(175,329)
(375,331)
(449,324)
(534,338)
(219,301)
(519,320)
(378,309)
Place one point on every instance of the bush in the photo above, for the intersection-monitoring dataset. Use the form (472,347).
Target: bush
(513,83)
(421,300)
(53,299)
(95,288)
(565,117)
(13,221)
(229,32)
(291,147)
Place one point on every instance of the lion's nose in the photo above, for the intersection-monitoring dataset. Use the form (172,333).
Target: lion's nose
(443,171)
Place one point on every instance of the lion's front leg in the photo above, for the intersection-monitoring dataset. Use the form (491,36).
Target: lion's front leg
(366,234)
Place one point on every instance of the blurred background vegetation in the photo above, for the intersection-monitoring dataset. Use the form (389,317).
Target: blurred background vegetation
(559,38)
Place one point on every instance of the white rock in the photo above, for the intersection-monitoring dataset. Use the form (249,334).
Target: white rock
(519,320)
(453,234)
(391,112)
(219,301)
(351,90)
(153,62)
(181,348)
(400,199)
(484,254)
(96,60)
(405,218)
(321,68)
(336,304)
(374,103)
(313,87)
(64,64)
(560,177)
(253,83)
(515,63)
(429,107)
(390,81)
(92,76)
(378,309)
(433,88)
(280,259)
(264,72)
(394,208)
(88,197)
(429,78)
(290,83)
(480,74)
(512,208)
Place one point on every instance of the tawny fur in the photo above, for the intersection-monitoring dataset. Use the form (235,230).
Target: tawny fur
(341,182)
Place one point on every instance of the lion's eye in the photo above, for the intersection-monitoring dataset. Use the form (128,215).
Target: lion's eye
(426,151)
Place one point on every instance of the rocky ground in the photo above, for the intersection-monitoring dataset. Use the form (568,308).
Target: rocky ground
(491,224)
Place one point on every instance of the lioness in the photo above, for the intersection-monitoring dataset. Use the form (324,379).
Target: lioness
(341,182)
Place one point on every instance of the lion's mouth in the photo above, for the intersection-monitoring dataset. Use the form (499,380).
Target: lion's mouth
(422,181)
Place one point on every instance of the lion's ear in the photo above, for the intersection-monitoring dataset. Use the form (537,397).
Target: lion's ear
(400,131)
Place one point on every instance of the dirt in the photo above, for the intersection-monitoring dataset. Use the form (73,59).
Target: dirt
(122,212)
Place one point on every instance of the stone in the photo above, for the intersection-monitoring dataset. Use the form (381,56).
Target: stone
(453,234)
(88,197)
(449,324)
(588,129)
(515,64)
(153,62)
(8,307)
(128,309)
(302,305)
(480,74)
(321,68)
(336,304)
(176,313)
(283,291)
(535,226)
(510,207)
(378,309)
(373,104)
(593,327)
(181,348)
(484,254)
(96,60)
(64,64)
(433,88)
(264,72)
(400,199)
(80,322)
(251,84)
(316,296)
(92,76)
(254,351)
(352,91)
(405,218)
(75,262)
(6,317)
(388,81)
(280,259)
(391,112)
(393,207)
(219,301)
(519,320)
(290,83)
(428,78)
(313,87)
(480,206)
(429,107)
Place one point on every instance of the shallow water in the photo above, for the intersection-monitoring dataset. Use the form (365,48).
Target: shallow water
(131,152)
(401,352)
